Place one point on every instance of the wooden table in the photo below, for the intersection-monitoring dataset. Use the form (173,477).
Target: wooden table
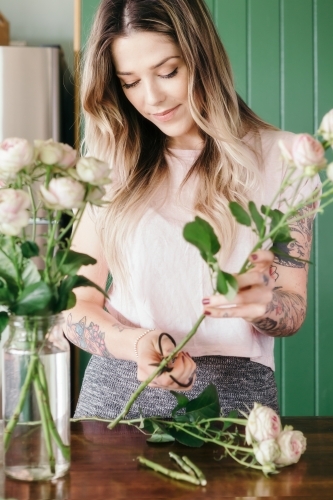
(104,467)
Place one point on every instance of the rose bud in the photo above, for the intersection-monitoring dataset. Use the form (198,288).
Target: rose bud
(263,423)
(292,444)
(62,193)
(307,152)
(69,156)
(326,127)
(13,211)
(15,154)
(329,171)
(94,171)
(49,152)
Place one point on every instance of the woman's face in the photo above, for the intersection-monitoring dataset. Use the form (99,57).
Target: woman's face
(154,79)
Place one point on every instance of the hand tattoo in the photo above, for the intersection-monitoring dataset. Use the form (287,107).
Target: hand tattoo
(89,338)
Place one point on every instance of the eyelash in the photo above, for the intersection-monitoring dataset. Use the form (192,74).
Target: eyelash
(170,75)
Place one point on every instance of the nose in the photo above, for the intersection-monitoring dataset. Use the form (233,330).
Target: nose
(154,94)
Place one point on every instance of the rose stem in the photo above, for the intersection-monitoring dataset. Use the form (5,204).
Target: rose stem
(196,470)
(163,363)
(16,415)
(168,472)
(41,404)
(181,463)
(65,449)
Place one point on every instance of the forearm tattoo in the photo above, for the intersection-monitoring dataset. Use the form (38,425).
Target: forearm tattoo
(300,248)
(90,338)
(286,313)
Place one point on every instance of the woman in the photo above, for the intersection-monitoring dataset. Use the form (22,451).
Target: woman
(161,108)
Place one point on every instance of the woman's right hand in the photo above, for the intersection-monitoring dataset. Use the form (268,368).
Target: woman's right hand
(178,375)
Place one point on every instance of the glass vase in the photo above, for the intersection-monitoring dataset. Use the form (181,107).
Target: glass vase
(36,399)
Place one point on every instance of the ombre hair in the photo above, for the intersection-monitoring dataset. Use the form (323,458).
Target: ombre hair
(227,167)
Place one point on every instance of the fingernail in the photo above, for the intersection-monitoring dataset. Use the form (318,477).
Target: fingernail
(205,301)
(207,313)
(254,256)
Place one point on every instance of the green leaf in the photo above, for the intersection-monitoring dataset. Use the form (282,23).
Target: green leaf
(30,273)
(201,234)
(257,219)
(72,262)
(5,295)
(184,438)
(7,268)
(67,285)
(35,298)
(4,318)
(71,300)
(241,216)
(226,424)
(221,283)
(160,438)
(182,401)
(29,249)
(232,286)
(206,405)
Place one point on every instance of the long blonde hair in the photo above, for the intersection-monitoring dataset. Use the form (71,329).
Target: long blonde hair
(117,133)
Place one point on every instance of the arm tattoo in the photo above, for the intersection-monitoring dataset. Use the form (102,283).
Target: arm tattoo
(287,312)
(300,247)
(89,338)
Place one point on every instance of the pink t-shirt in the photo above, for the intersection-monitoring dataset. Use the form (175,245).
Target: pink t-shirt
(169,279)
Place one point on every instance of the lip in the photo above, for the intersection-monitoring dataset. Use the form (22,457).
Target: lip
(166,115)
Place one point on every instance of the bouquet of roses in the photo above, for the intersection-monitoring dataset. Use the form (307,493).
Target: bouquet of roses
(40,185)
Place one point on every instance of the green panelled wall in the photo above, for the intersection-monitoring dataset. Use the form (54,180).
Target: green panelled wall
(282,57)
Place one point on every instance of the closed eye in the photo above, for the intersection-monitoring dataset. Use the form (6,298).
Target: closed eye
(169,75)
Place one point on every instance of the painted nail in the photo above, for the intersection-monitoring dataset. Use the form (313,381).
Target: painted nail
(207,313)
(254,256)
(205,301)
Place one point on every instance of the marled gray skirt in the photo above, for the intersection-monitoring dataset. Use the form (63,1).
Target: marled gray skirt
(108,384)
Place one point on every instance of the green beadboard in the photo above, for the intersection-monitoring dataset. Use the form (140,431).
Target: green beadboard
(281,55)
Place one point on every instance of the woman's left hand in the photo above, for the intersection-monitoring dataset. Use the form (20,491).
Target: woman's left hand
(254,293)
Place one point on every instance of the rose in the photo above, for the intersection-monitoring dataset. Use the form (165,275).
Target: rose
(292,444)
(49,152)
(13,211)
(95,195)
(62,193)
(263,423)
(92,170)
(267,451)
(69,156)
(305,152)
(15,154)
(326,127)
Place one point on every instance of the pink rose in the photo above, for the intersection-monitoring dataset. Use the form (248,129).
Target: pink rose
(63,192)
(94,171)
(13,211)
(326,127)
(267,451)
(263,423)
(307,151)
(15,154)
(69,156)
(49,152)
(292,444)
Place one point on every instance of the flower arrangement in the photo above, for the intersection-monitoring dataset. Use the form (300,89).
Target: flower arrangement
(41,184)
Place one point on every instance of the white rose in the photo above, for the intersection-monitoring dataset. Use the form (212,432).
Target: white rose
(329,171)
(307,151)
(13,211)
(69,156)
(91,170)
(267,451)
(292,444)
(49,152)
(326,127)
(263,423)
(63,192)
(15,154)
